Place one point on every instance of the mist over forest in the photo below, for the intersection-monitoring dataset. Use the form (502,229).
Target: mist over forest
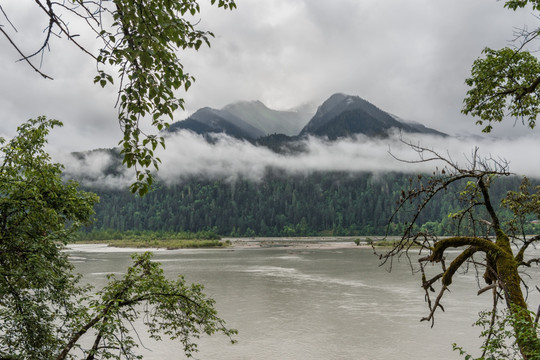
(223,170)
(190,155)
(234,188)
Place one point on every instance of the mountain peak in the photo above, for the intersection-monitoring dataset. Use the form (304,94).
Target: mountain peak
(343,115)
(241,105)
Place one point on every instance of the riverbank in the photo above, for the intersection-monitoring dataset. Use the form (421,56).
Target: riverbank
(168,244)
(299,242)
(327,242)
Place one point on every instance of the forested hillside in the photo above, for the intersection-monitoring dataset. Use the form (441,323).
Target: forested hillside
(281,205)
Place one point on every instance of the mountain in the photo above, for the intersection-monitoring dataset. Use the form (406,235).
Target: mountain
(248,120)
(270,121)
(208,120)
(339,116)
(345,115)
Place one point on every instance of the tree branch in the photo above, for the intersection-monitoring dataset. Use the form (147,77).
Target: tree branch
(481,244)
(521,253)
(487,204)
(24,57)
(436,305)
(456,264)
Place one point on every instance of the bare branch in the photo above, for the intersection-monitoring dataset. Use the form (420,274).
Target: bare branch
(7,18)
(521,252)
(492,321)
(433,307)
(487,204)
(24,57)
(489,287)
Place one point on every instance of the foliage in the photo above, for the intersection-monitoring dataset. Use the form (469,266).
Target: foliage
(524,205)
(43,309)
(506,82)
(167,307)
(38,214)
(497,330)
(515,4)
(486,244)
(502,75)
(140,40)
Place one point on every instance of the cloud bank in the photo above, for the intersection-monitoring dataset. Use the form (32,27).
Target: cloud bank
(409,58)
(189,155)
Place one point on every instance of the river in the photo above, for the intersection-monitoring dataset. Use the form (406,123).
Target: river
(296,304)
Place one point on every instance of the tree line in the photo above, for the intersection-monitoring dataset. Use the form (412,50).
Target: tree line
(324,203)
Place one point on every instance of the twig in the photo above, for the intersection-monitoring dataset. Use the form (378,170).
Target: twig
(7,18)
(24,57)
(483,290)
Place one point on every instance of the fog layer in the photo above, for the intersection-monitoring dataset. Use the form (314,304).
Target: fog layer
(190,155)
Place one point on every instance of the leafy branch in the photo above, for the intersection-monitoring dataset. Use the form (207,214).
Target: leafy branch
(140,43)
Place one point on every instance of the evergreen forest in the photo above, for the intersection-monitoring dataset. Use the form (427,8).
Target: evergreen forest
(318,204)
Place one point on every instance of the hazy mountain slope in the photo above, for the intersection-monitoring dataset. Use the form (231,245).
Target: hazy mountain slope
(419,127)
(207,120)
(269,121)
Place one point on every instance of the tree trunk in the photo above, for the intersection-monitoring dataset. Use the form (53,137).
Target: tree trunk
(510,281)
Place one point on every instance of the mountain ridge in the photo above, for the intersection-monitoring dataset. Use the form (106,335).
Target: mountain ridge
(339,116)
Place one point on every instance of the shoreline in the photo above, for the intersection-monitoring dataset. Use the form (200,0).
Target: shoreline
(237,243)
(324,242)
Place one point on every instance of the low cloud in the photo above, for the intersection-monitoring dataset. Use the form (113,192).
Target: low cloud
(95,168)
(190,155)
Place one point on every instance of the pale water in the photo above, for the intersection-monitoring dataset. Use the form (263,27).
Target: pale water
(310,304)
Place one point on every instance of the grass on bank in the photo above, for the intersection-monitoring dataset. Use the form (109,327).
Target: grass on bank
(152,239)
(164,244)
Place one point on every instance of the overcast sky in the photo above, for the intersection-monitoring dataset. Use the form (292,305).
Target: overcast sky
(409,58)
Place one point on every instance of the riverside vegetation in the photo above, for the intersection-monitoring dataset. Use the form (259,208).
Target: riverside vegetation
(158,239)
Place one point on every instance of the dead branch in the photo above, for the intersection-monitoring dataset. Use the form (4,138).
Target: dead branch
(492,321)
(24,57)
(521,252)
(7,18)
(489,287)
(433,307)
(428,284)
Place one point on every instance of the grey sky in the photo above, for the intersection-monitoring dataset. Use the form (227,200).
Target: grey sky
(409,58)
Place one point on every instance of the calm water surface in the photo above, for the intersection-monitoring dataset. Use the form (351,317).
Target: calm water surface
(309,304)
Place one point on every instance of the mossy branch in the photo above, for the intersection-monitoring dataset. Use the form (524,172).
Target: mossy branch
(483,245)
(456,263)
(521,253)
